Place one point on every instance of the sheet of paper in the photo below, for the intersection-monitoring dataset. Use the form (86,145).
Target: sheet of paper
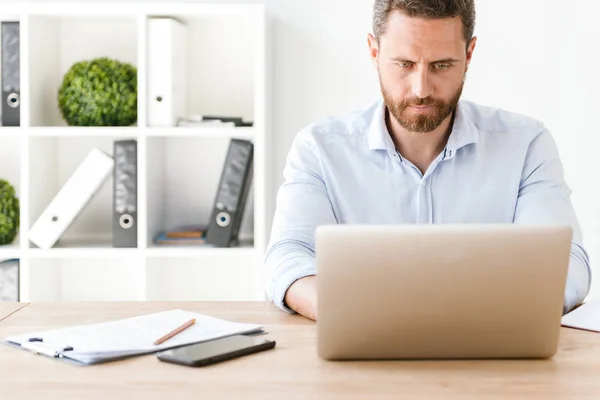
(136,335)
(587,316)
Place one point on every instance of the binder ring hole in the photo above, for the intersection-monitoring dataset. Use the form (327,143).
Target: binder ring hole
(13,99)
(159,98)
(54,219)
(223,219)
(126,221)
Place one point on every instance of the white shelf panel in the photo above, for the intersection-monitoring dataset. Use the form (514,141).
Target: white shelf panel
(127,9)
(82,252)
(83,132)
(10,250)
(248,133)
(185,251)
(87,247)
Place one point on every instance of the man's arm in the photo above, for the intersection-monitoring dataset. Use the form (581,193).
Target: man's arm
(544,198)
(302,204)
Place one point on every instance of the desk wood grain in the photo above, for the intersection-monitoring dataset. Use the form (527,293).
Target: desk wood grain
(292,370)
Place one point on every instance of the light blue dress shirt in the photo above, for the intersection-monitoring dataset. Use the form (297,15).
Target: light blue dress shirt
(497,167)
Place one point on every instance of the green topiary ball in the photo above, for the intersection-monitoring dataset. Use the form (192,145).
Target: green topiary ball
(9,213)
(99,92)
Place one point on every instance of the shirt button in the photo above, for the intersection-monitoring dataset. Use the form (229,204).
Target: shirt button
(423,183)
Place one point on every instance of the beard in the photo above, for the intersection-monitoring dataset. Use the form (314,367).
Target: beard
(426,121)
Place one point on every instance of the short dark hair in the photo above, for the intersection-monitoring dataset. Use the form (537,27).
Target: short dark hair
(427,9)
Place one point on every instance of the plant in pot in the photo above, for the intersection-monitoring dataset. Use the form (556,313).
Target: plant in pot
(99,92)
(9,213)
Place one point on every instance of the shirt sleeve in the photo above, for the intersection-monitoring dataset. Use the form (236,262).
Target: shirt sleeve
(544,197)
(302,204)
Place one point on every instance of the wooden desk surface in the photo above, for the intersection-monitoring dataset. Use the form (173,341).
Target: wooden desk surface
(292,370)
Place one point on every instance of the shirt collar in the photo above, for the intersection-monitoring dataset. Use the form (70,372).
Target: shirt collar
(464,131)
(378,134)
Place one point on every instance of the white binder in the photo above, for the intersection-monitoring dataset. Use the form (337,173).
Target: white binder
(166,71)
(71,199)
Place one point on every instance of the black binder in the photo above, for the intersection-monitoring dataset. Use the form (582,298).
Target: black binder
(11,76)
(232,193)
(125,186)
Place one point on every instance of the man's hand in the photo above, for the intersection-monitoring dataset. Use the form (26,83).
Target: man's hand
(302,297)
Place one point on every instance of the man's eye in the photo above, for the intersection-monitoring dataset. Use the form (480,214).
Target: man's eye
(442,66)
(404,64)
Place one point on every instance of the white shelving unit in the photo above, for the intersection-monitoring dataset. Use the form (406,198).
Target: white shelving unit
(178,167)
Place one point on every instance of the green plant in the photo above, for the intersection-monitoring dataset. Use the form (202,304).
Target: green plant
(9,213)
(99,92)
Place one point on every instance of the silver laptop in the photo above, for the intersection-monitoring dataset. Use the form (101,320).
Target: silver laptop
(440,291)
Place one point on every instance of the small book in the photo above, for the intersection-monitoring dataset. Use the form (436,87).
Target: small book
(187,231)
(162,238)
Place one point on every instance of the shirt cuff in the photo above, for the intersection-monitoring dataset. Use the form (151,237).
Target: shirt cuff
(578,282)
(284,282)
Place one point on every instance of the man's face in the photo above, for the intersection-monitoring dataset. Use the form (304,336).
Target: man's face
(421,66)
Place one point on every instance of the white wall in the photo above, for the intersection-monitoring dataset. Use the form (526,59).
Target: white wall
(539,57)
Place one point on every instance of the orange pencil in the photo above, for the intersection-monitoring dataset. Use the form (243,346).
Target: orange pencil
(175,331)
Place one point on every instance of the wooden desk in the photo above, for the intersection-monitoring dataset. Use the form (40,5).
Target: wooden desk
(292,370)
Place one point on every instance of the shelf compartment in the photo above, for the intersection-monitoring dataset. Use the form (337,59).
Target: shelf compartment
(219,76)
(222,275)
(85,279)
(58,41)
(10,170)
(183,175)
(52,162)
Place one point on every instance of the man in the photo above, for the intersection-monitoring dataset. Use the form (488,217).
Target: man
(420,155)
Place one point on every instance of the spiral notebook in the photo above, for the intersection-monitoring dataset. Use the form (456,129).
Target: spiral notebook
(119,339)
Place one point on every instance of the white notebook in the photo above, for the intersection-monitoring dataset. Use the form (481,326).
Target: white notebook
(107,341)
(586,317)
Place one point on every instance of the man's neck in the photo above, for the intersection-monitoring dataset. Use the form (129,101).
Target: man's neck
(419,148)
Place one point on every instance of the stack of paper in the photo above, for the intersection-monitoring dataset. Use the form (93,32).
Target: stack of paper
(95,343)
(586,317)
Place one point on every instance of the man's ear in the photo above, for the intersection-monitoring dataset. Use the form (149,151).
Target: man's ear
(470,50)
(373,49)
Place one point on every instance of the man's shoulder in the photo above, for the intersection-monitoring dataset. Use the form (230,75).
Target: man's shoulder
(493,119)
(348,123)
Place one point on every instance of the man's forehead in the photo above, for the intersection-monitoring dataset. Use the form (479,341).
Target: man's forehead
(427,34)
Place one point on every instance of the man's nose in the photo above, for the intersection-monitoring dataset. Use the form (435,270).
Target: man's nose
(421,84)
